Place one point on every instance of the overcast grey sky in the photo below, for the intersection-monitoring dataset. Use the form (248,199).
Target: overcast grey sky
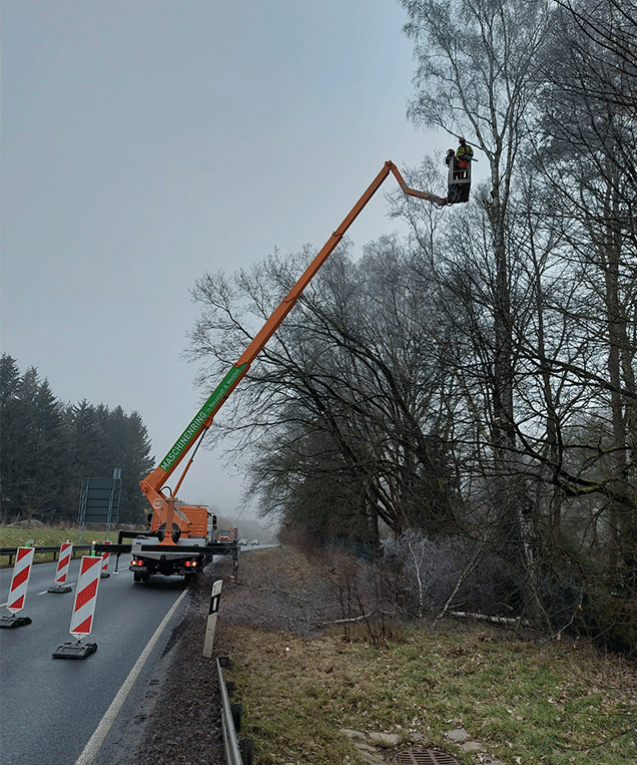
(145,142)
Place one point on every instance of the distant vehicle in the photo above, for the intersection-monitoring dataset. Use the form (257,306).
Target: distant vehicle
(243,542)
(227,535)
(254,542)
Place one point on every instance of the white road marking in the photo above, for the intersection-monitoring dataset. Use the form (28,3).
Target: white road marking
(106,723)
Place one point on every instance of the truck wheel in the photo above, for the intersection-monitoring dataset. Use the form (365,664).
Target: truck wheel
(188,578)
(137,577)
(145,577)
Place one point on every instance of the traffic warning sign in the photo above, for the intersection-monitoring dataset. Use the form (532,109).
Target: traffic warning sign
(83,610)
(62,571)
(85,597)
(18,589)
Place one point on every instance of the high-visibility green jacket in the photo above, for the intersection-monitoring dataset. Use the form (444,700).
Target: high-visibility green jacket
(464,152)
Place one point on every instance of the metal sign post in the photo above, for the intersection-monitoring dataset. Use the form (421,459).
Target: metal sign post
(99,501)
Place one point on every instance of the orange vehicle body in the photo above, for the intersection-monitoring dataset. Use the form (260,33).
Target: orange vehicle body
(189,520)
(192,521)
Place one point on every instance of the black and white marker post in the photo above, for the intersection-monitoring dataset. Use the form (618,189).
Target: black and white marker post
(215,597)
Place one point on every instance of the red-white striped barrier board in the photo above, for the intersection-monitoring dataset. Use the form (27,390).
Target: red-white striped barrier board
(105,557)
(85,596)
(64,561)
(20,579)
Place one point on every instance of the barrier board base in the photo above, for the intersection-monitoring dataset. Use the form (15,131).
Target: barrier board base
(60,588)
(9,622)
(104,575)
(75,650)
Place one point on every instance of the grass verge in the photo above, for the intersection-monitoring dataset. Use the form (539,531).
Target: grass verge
(527,700)
(11,536)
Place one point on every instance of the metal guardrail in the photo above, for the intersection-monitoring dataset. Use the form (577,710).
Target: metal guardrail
(213,548)
(237,751)
(45,550)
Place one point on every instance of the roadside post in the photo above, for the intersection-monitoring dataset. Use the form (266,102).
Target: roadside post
(18,589)
(83,610)
(62,571)
(215,597)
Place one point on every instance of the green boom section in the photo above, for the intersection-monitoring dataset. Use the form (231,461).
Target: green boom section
(198,420)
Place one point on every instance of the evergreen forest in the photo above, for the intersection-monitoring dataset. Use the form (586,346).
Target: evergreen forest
(48,447)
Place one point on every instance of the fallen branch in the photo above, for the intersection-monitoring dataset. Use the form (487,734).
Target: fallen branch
(346,621)
(510,621)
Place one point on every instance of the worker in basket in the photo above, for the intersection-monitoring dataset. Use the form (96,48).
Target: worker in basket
(464,155)
(459,173)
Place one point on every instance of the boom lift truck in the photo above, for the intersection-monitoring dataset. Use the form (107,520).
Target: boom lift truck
(181,537)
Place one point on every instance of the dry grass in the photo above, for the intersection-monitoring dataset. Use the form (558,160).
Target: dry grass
(526,700)
(45,536)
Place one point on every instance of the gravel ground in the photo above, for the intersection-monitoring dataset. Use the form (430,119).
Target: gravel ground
(184,727)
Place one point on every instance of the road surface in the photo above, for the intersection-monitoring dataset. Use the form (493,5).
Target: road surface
(50,708)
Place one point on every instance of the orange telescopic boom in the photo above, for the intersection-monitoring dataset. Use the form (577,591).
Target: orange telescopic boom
(153,485)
